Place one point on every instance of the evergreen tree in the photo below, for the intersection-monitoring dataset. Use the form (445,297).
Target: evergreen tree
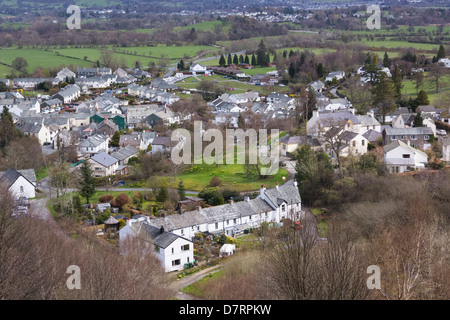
(422,98)
(383,96)
(386,61)
(8,131)
(397,82)
(418,120)
(241,59)
(229,60)
(222,61)
(247,60)
(115,139)
(181,65)
(275,57)
(320,70)
(253,60)
(284,54)
(441,53)
(261,55)
(181,190)
(87,183)
(235,60)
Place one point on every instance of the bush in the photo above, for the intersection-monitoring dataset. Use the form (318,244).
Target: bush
(215,182)
(121,200)
(105,198)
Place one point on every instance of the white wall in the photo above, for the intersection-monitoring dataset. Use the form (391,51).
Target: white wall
(23,188)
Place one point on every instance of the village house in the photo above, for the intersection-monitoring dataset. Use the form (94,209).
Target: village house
(162,144)
(103,164)
(36,129)
(172,250)
(271,206)
(68,93)
(290,143)
(339,75)
(91,72)
(64,74)
(418,137)
(124,154)
(19,184)
(93,145)
(400,157)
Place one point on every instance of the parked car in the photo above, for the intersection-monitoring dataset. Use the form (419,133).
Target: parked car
(441,132)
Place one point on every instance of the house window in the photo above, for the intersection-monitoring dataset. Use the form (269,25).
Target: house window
(363,142)
(217,225)
(172,250)
(176,262)
(406,156)
(402,137)
(228,222)
(354,143)
(21,188)
(283,208)
(426,137)
(198,228)
(185,247)
(393,137)
(250,217)
(234,221)
(413,137)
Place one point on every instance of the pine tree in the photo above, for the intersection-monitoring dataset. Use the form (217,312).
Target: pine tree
(397,82)
(235,60)
(275,57)
(229,60)
(87,183)
(181,190)
(422,98)
(441,53)
(253,60)
(383,96)
(115,139)
(386,61)
(320,70)
(8,131)
(418,120)
(247,60)
(241,59)
(261,55)
(222,61)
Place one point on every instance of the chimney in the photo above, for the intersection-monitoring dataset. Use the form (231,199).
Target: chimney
(181,209)
(276,185)
(316,113)
(231,201)
(262,190)
(295,182)
(247,198)
(199,208)
(161,230)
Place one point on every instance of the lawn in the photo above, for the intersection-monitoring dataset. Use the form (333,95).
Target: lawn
(409,87)
(38,58)
(198,288)
(232,175)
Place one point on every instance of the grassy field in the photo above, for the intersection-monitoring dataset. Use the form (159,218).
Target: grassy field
(232,175)
(198,288)
(205,26)
(409,87)
(37,58)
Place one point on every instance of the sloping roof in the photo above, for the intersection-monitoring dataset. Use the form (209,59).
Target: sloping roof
(372,135)
(125,153)
(11,175)
(409,131)
(104,159)
(398,143)
(367,120)
(338,118)
(111,220)
(162,240)
(293,140)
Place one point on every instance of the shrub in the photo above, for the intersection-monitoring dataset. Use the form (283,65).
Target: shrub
(106,198)
(121,200)
(215,182)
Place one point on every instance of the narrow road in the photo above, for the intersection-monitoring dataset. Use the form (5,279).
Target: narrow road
(179,284)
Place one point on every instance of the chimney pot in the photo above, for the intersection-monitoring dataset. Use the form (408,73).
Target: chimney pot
(161,230)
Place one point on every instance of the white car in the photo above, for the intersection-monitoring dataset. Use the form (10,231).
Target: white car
(441,132)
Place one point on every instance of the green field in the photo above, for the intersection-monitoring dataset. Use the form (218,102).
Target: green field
(205,26)
(232,175)
(409,87)
(37,58)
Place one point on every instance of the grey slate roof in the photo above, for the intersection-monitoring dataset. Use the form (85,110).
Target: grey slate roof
(11,175)
(104,159)
(162,240)
(372,135)
(409,131)
(125,153)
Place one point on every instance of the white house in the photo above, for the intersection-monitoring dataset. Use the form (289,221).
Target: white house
(18,184)
(271,206)
(445,61)
(400,157)
(337,74)
(172,250)
(197,68)
(94,144)
(68,93)
(103,164)
(65,73)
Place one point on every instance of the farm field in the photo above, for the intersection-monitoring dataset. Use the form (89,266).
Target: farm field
(409,88)
(38,58)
